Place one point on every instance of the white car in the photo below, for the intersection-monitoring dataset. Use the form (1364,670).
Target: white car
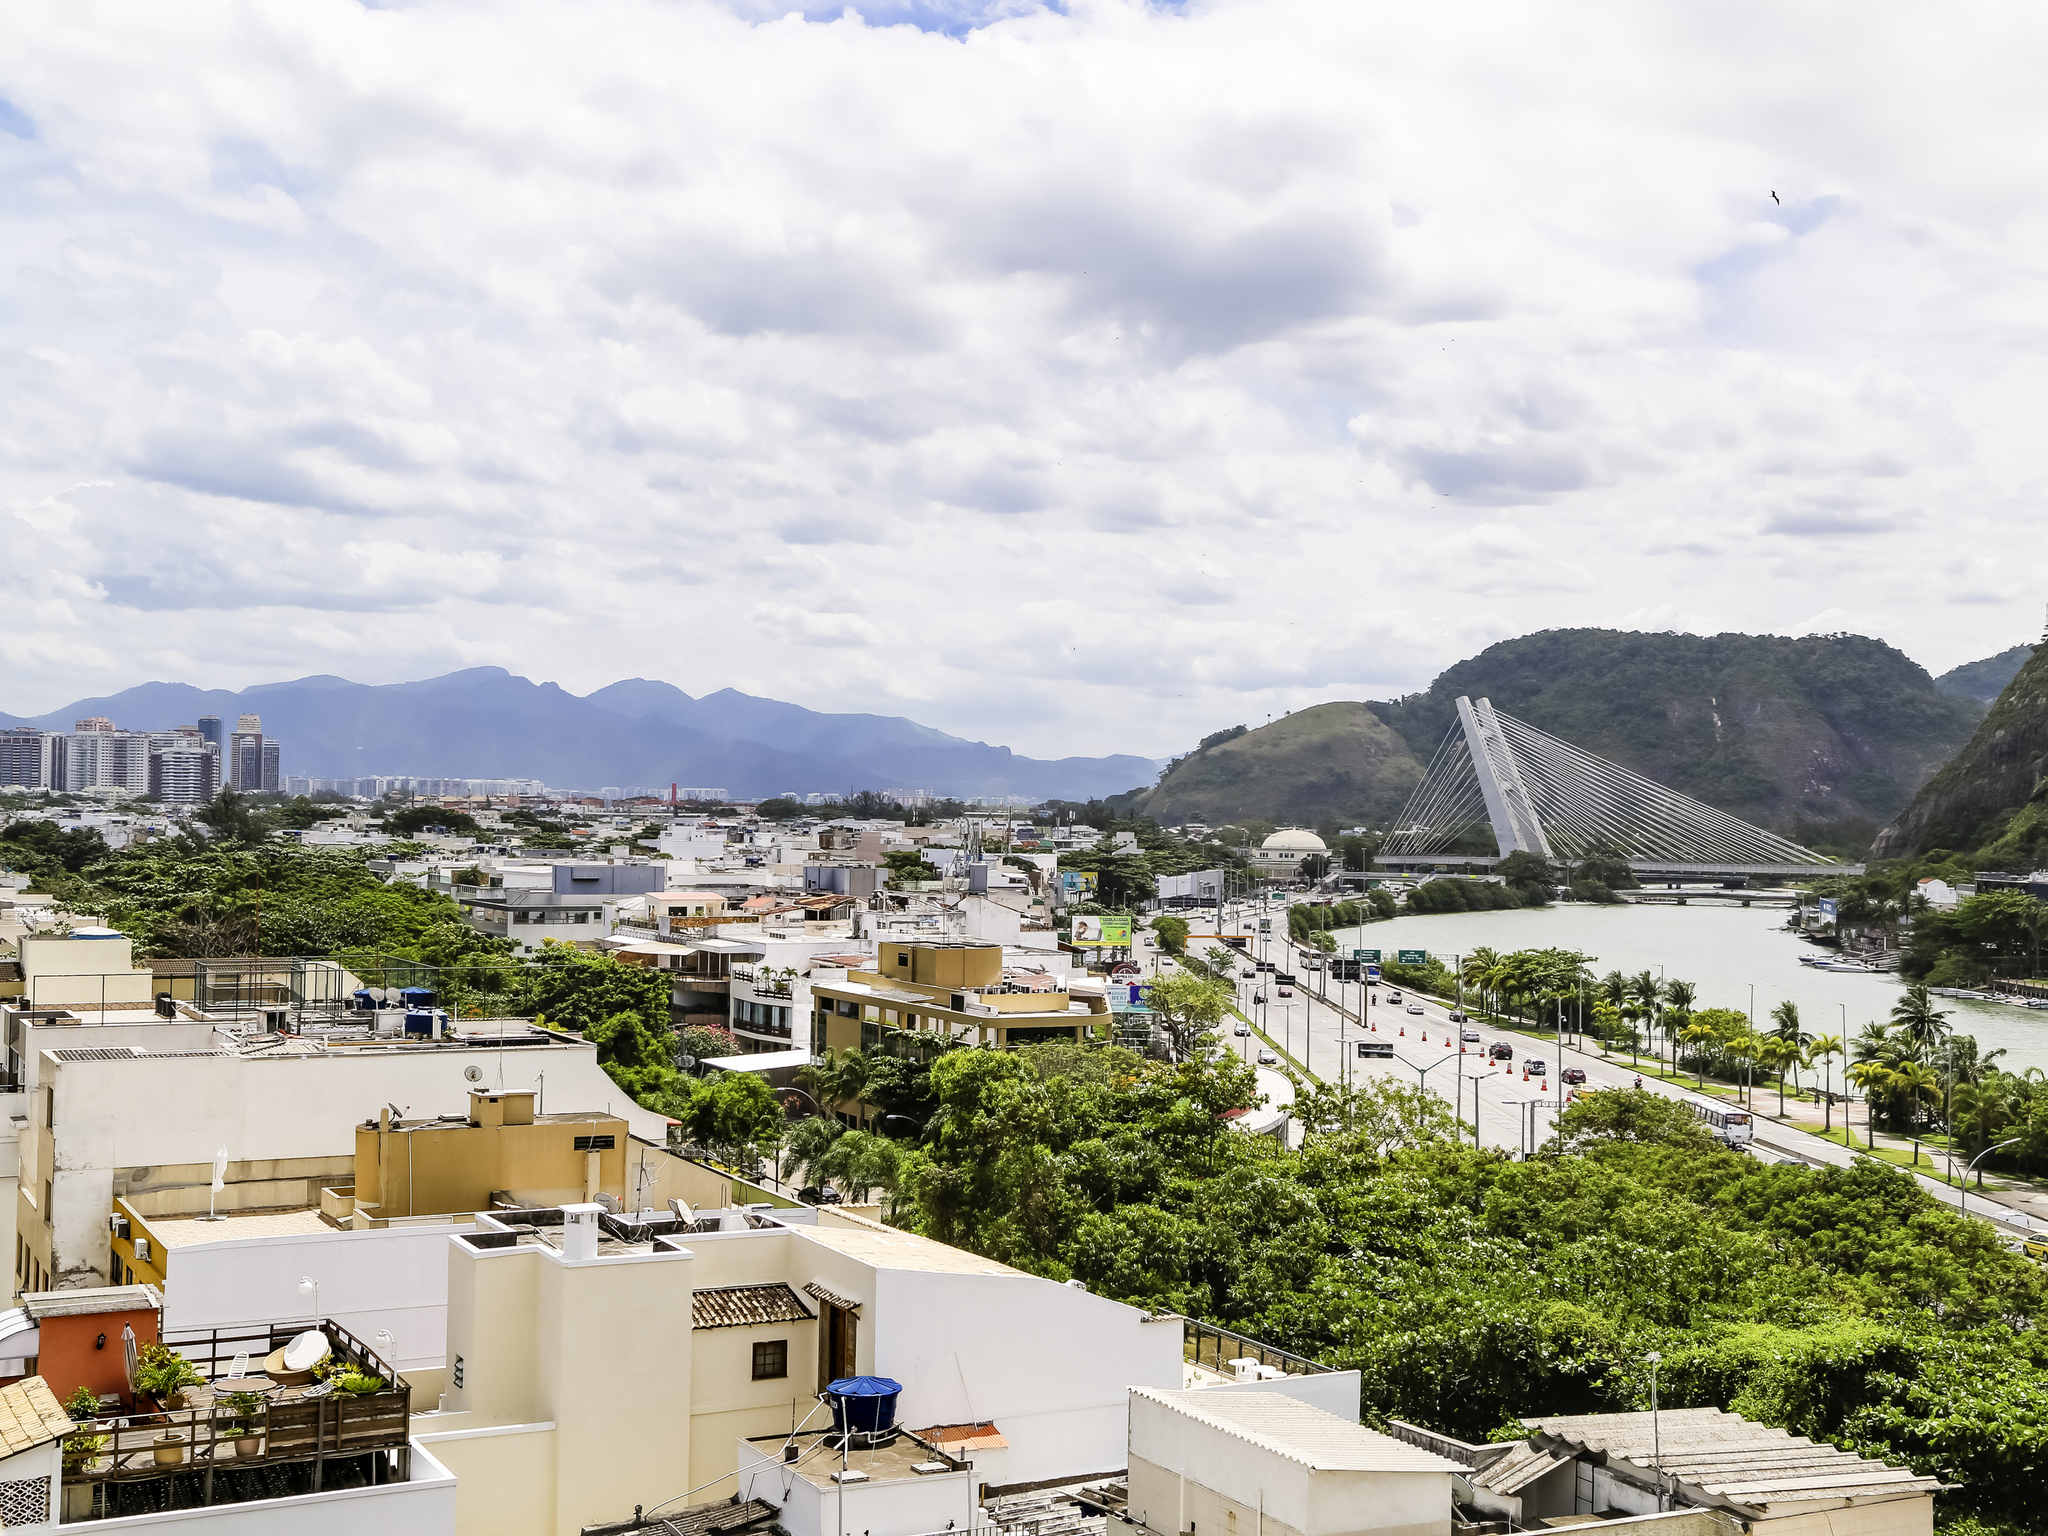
(1415,1007)
(1241,1030)
(1268,1059)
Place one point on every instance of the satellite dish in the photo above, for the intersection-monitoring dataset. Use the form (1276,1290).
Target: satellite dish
(473,1072)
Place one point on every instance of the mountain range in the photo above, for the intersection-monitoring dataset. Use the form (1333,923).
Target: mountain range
(1822,737)
(1990,801)
(487,723)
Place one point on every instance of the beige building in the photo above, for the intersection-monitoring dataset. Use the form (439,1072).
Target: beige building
(1263,1463)
(505,1152)
(599,1362)
(949,993)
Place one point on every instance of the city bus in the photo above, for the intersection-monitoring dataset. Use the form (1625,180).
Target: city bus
(1732,1126)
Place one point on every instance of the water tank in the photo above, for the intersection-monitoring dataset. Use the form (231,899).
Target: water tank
(419,1024)
(416,997)
(365,1002)
(864,1405)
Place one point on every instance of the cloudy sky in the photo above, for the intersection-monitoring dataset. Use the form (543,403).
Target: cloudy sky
(1082,378)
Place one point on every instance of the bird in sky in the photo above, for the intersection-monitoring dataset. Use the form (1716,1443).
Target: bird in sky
(1774,198)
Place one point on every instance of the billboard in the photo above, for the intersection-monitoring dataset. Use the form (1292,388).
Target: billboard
(1102,933)
(1199,885)
(1077,884)
(1827,909)
(1412,956)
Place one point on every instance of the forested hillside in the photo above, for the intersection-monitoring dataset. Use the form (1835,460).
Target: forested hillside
(1990,802)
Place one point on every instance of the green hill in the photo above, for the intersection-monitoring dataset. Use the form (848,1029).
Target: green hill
(1333,762)
(1984,680)
(1823,738)
(1990,801)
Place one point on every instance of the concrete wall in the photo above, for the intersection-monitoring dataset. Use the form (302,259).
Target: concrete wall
(424,1505)
(896,1507)
(394,1280)
(1186,1474)
(1050,1364)
(1910,1516)
(727,1405)
(506,1477)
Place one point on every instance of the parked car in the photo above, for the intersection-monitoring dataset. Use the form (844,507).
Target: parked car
(1415,1007)
(1573,1074)
(1470,1037)
(1241,1030)
(1500,1050)
(813,1194)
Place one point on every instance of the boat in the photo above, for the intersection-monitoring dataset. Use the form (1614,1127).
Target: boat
(1965,994)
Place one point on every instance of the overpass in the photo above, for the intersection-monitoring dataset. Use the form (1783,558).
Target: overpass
(1498,779)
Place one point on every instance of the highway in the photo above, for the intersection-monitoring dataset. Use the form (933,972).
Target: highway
(1514,1111)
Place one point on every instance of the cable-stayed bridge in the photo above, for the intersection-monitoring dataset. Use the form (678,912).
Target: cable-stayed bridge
(1497,778)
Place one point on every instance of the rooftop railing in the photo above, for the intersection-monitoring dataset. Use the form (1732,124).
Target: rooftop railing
(1213,1348)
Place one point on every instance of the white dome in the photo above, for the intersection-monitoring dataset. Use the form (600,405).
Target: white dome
(1294,840)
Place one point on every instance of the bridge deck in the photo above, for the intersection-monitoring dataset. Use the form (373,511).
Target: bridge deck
(1484,861)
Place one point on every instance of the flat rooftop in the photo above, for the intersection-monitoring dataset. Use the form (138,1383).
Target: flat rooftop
(191,1231)
(818,1462)
(883,1247)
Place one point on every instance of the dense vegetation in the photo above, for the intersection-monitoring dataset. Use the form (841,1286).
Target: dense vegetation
(1470,1290)
(1989,803)
(1333,764)
(1985,680)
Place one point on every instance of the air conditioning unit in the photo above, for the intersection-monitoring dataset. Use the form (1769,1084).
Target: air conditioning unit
(117,1224)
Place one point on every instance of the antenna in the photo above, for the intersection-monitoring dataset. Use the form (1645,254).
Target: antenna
(473,1073)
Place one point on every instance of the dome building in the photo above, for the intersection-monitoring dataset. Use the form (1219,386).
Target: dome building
(1279,856)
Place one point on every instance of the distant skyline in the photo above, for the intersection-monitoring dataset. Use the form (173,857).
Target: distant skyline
(1079,379)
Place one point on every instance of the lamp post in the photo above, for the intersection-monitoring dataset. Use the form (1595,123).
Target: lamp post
(1656,1435)
(310,1288)
(1476,1079)
(1963,1189)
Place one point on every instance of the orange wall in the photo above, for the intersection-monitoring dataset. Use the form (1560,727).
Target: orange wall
(69,1358)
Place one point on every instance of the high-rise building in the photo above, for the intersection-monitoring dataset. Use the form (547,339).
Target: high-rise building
(185,774)
(93,723)
(270,760)
(245,754)
(26,759)
(210,730)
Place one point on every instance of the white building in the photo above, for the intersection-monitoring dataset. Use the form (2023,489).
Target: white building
(1279,856)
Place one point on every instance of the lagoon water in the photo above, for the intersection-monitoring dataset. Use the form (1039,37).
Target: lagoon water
(1722,950)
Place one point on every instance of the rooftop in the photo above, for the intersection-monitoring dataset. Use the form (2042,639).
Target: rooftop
(819,1459)
(90,1299)
(743,1306)
(30,1415)
(1728,1458)
(190,1231)
(883,1247)
(1301,1432)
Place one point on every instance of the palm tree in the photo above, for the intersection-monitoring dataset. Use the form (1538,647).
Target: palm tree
(1873,1077)
(1778,1053)
(1786,1019)
(1918,1020)
(1700,1036)
(1921,1085)
(805,1146)
(1475,971)
(1745,1048)
(1679,996)
(1820,1049)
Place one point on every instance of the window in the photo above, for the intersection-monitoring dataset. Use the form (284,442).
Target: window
(594,1143)
(771,1359)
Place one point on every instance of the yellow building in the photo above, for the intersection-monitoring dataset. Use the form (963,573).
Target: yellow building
(957,994)
(504,1151)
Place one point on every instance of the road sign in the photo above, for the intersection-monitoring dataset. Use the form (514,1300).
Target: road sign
(1366,956)
(1265,925)
(1413,956)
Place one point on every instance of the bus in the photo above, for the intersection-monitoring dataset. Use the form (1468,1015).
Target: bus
(1731,1126)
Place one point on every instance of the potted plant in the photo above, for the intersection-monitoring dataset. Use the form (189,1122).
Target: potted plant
(360,1383)
(240,1419)
(164,1374)
(170,1448)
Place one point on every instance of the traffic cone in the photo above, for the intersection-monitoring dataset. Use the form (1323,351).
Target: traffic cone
(1425,1037)
(1404,1031)
(1525,1074)
(1544,1086)
(1447,1043)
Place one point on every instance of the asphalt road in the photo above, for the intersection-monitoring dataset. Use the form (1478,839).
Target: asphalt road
(1514,1110)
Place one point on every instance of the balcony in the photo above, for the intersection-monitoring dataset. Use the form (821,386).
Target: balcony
(1212,1353)
(250,1430)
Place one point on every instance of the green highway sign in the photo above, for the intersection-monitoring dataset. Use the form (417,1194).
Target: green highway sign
(1414,956)
(1366,956)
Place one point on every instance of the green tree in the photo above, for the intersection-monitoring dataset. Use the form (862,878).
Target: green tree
(1189,1009)
(1171,932)
(1629,1115)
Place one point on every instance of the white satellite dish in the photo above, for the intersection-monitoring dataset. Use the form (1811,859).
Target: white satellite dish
(473,1073)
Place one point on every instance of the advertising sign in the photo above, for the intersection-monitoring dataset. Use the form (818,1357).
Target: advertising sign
(1077,884)
(1827,909)
(1102,932)
(1366,956)
(1412,956)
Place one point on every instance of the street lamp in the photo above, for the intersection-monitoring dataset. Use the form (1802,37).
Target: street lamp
(1476,1079)
(1963,1189)
(1656,1436)
(310,1289)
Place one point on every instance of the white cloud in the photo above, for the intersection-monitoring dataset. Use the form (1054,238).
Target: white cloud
(1080,379)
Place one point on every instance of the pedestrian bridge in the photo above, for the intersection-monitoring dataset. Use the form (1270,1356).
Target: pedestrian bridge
(1498,779)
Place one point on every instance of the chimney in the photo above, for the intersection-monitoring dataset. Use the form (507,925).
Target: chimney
(579,1231)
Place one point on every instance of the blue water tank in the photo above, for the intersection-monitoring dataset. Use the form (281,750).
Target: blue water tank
(416,997)
(419,1023)
(365,1003)
(864,1404)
